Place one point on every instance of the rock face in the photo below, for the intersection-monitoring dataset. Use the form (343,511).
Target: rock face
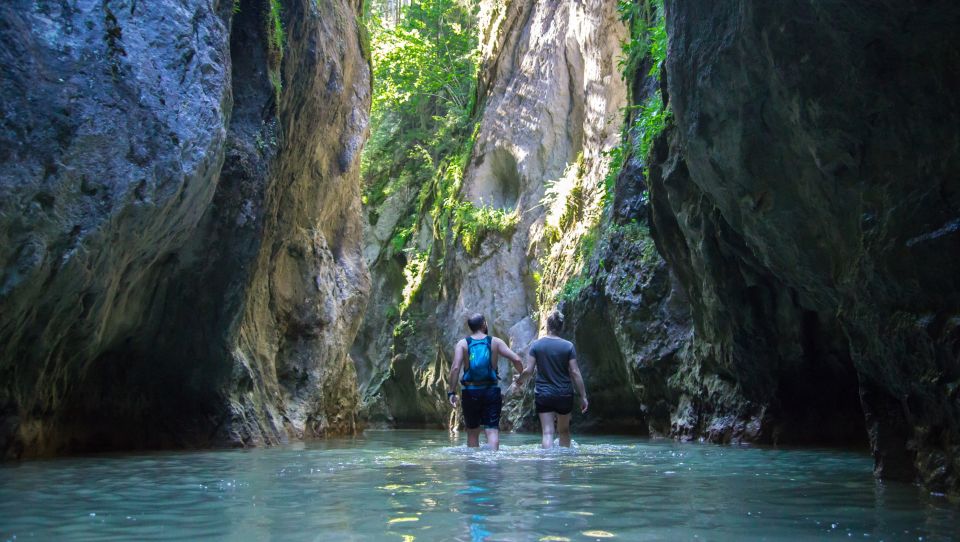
(551,98)
(631,324)
(179,222)
(808,201)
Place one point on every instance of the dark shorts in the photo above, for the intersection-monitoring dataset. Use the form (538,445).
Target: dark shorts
(482,407)
(561,404)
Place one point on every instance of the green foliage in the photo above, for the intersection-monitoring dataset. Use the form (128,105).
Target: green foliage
(616,156)
(647,43)
(648,40)
(648,35)
(423,58)
(658,42)
(575,199)
(636,233)
(649,123)
(472,223)
(584,253)
(276,82)
(573,287)
(425,63)
(276,42)
(402,234)
(413,274)
(403,327)
(277,35)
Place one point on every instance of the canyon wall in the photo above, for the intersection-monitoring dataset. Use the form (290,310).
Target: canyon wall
(780,268)
(179,222)
(549,100)
(807,200)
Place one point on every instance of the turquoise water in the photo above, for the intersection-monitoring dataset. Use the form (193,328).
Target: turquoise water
(423,485)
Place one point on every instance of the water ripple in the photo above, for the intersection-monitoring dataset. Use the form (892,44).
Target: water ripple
(420,485)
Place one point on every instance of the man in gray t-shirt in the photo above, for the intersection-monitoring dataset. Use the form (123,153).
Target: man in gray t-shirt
(555,361)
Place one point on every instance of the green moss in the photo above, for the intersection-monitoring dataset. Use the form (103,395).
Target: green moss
(636,233)
(277,83)
(276,41)
(473,223)
(616,156)
(403,233)
(572,288)
(277,35)
(404,327)
(413,274)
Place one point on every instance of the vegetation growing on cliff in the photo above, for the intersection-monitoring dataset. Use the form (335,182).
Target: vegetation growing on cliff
(277,39)
(424,121)
(420,110)
(645,49)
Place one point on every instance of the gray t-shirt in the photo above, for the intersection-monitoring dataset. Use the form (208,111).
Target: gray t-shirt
(553,357)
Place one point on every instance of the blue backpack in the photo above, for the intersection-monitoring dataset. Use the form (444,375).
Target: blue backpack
(479,372)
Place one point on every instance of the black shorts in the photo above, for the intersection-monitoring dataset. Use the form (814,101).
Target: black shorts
(561,404)
(482,407)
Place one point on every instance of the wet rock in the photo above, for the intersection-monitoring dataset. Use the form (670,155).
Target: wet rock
(806,201)
(180,245)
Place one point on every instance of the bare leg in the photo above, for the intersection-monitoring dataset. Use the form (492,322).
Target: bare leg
(493,438)
(546,425)
(563,429)
(473,437)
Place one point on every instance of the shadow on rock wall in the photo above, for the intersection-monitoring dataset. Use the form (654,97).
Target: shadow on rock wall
(180,223)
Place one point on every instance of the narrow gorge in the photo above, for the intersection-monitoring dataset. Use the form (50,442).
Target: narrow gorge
(250,222)
(767,255)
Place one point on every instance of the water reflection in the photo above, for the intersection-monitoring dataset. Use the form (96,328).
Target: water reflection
(482,499)
(419,486)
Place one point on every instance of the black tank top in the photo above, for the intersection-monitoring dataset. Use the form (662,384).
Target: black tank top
(553,357)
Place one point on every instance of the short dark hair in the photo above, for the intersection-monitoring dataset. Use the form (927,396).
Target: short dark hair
(555,321)
(476,321)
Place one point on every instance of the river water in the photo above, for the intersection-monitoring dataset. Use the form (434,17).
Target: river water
(424,485)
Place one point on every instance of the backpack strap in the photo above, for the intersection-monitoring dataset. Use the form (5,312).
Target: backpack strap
(493,366)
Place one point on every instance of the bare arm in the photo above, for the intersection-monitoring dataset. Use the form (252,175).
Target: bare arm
(578,383)
(505,351)
(454,376)
(527,373)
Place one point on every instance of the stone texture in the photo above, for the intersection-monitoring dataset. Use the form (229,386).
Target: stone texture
(550,96)
(179,246)
(807,201)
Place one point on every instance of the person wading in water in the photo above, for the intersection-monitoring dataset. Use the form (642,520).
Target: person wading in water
(555,361)
(481,392)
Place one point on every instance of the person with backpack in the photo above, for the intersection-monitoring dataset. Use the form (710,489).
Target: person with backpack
(555,361)
(477,355)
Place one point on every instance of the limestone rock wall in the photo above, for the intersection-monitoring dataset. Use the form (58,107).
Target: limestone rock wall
(179,223)
(551,99)
(807,200)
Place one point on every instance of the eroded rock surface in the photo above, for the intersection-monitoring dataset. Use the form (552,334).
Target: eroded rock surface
(551,98)
(179,223)
(808,201)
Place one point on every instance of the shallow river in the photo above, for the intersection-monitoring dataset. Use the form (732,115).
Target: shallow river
(424,485)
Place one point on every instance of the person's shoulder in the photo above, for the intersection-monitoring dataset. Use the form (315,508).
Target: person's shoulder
(462,342)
